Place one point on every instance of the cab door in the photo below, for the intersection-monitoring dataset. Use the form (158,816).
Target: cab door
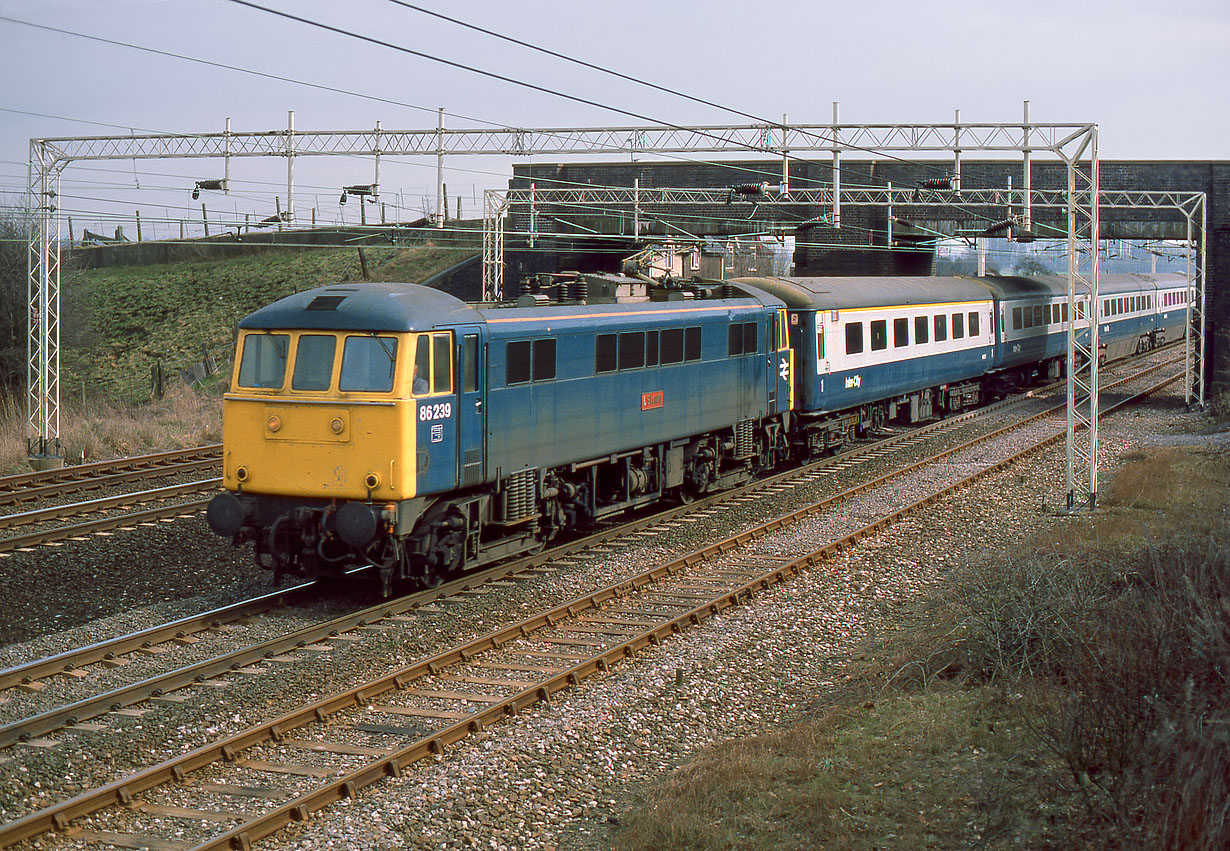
(437,404)
(472,416)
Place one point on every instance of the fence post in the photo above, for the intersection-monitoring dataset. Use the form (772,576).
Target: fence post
(205,219)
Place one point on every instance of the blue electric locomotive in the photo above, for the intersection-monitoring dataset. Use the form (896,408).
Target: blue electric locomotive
(393,425)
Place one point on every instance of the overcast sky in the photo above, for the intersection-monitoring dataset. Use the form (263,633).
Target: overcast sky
(1151,74)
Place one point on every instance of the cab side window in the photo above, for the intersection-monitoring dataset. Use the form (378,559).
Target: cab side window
(442,363)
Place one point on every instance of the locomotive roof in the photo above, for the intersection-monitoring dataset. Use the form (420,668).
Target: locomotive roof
(388,307)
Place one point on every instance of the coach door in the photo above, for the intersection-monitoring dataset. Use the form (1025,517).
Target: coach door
(472,418)
(781,395)
(434,386)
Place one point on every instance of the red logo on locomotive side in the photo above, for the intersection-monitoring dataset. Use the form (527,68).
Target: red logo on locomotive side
(652,400)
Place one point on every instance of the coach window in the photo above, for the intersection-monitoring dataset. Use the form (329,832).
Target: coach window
(921,327)
(632,350)
(1038,315)
(1016,319)
(1063,312)
(901,332)
(941,328)
(973,323)
(854,338)
(879,335)
(604,353)
(672,345)
(691,343)
(1029,317)
(263,363)
(367,363)
(314,362)
(958,326)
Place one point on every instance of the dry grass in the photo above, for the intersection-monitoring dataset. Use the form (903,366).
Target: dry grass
(1072,697)
(183,417)
(940,769)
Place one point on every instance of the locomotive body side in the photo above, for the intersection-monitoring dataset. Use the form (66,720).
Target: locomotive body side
(620,377)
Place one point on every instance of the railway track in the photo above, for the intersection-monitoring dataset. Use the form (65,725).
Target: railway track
(79,477)
(353,738)
(164,640)
(61,520)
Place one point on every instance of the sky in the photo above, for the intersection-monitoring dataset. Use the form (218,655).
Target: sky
(1151,75)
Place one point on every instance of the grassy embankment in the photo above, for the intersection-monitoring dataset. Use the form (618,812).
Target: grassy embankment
(1076,696)
(121,323)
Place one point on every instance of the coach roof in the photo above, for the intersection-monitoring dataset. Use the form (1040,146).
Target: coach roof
(852,292)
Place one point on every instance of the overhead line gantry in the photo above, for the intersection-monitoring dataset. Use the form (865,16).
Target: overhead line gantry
(1074,144)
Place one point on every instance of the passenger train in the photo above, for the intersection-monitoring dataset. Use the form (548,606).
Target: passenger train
(393,425)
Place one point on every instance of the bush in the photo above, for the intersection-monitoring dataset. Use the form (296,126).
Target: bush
(1142,710)
(1123,661)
